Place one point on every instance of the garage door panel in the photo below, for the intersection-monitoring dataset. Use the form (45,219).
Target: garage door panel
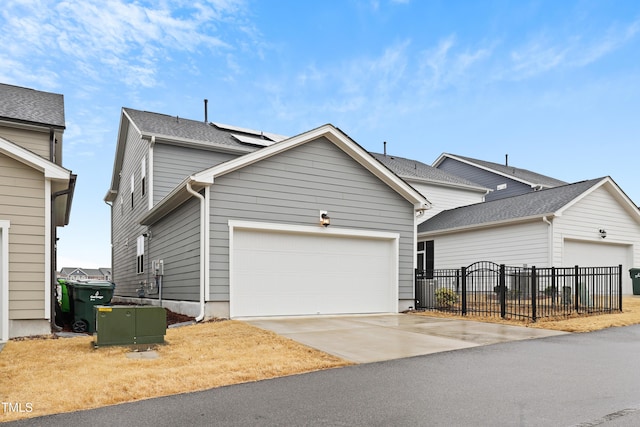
(279,273)
(600,254)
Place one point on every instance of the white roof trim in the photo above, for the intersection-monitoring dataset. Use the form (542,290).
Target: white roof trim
(335,136)
(29,158)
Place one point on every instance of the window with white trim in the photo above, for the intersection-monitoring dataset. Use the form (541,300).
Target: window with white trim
(140,255)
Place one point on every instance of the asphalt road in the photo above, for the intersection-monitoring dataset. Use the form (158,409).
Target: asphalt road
(570,380)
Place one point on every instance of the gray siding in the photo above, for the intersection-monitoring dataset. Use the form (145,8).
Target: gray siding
(172,164)
(124,219)
(176,241)
(485,178)
(292,188)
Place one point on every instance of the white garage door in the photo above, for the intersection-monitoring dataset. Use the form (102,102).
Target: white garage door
(276,273)
(601,254)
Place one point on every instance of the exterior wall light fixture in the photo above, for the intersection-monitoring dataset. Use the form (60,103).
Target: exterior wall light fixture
(325,221)
(603,233)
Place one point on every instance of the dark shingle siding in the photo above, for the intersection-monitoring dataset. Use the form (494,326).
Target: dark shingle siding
(31,106)
(531,204)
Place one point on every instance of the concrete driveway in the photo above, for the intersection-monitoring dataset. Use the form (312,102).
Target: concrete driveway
(374,338)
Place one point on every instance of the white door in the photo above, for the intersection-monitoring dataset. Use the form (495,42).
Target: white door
(599,254)
(277,273)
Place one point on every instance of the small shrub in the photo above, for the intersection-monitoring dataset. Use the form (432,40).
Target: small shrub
(446,298)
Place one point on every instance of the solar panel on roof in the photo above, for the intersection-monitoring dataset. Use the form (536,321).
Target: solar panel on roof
(253,140)
(272,136)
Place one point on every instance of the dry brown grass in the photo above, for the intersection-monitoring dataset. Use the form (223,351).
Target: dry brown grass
(61,375)
(68,374)
(630,316)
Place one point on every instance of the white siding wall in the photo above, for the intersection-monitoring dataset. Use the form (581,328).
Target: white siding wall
(443,198)
(583,220)
(512,245)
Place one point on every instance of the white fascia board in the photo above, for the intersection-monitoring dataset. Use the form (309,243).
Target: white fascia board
(50,169)
(335,136)
(492,224)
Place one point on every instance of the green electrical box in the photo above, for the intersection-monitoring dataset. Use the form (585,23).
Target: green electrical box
(128,325)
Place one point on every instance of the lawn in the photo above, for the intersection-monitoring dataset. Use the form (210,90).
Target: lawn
(47,376)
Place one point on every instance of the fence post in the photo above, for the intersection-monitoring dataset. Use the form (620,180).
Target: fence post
(503,293)
(576,276)
(464,290)
(415,289)
(554,289)
(620,286)
(534,293)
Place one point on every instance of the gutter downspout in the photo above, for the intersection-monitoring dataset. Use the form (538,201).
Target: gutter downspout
(203,267)
(54,243)
(549,239)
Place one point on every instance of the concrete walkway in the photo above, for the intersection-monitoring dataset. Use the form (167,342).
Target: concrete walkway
(374,338)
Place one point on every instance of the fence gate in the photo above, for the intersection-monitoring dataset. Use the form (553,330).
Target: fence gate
(483,287)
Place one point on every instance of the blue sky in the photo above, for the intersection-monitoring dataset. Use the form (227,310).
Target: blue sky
(555,84)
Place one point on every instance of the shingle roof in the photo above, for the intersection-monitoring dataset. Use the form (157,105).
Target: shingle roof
(32,106)
(407,168)
(178,127)
(541,202)
(516,173)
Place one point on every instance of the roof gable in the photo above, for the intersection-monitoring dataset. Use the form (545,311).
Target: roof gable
(524,176)
(338,138)
(548,202)
(207,177)
(30,106)
(29,158)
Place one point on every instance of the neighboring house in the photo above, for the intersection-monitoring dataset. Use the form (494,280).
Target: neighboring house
(504,180)
(35,198)
(589,223)
(445,191)
(222,221)
(73,273)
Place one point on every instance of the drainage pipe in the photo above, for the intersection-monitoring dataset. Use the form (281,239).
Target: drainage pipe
(549,240)
(203,266)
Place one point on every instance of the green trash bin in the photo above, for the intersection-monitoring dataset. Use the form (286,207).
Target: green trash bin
(87,295)
(635,276)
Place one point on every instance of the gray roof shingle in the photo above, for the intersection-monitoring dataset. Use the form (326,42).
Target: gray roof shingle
(178,127)
(407,168)
(540,203)
(516,173)
(31,106)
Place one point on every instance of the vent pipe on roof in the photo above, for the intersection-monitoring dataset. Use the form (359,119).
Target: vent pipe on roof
(385,148)
(506,160)
(205,111)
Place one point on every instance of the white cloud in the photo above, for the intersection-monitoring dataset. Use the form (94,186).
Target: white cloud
(545,52)
(114,37)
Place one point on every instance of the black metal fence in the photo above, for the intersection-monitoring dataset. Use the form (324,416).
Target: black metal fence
(489,289)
